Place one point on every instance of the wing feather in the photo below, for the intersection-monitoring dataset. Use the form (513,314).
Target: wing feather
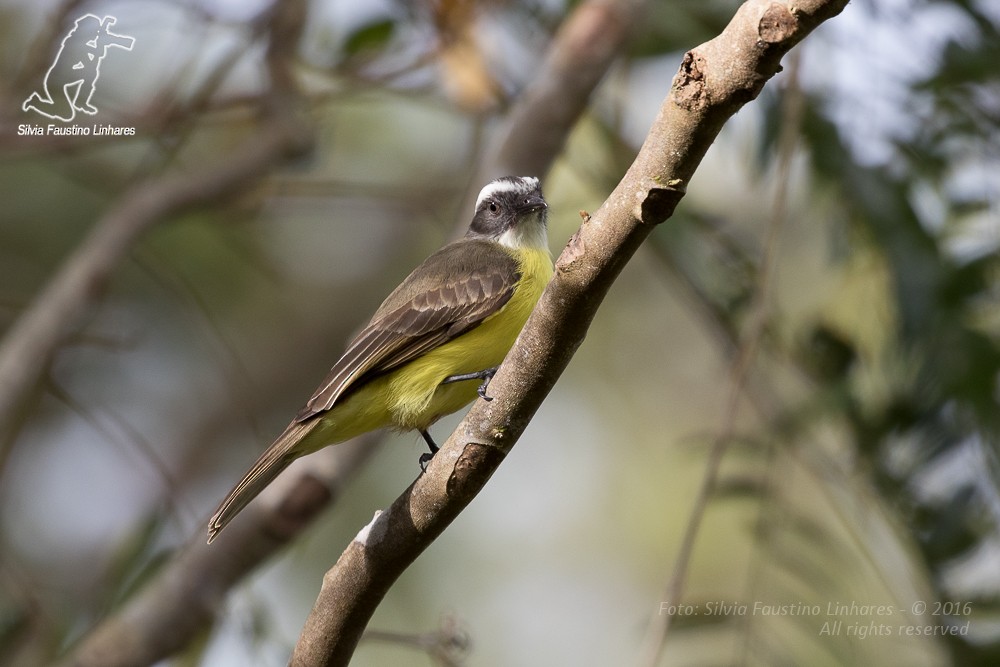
(421,314)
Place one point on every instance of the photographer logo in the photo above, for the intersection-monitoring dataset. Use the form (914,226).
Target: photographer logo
(70,83)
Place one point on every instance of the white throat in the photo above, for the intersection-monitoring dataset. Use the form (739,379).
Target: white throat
(528,233)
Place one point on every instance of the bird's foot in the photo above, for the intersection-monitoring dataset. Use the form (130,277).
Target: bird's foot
(484,375)
(426,457)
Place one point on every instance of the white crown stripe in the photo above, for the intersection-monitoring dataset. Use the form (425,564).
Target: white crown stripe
(520,185)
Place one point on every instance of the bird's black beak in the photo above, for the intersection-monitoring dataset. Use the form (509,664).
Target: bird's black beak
(532,203)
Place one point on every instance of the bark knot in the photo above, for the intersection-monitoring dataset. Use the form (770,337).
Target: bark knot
(777,24)
(689,84)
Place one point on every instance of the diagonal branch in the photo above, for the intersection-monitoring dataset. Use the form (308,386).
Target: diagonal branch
(714,81)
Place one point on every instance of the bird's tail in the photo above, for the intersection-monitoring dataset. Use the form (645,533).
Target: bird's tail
(275,458)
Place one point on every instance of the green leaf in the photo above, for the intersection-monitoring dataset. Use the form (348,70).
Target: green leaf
(370,37)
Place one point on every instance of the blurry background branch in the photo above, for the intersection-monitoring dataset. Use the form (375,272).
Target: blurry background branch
(715,80)
(176,606)
(29,345)
(535,130)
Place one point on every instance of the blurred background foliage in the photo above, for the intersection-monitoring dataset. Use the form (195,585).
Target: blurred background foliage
(846,224)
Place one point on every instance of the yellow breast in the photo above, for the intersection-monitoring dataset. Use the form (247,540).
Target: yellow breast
(412,396)
(419,398)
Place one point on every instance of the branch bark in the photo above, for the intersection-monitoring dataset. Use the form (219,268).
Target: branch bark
(714,81)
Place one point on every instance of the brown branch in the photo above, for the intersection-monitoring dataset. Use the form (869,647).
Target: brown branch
(714,81)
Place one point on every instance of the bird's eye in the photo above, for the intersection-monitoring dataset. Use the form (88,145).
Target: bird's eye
(493,207)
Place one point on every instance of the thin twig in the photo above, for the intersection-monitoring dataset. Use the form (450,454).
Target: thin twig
(792,109)
(760,311)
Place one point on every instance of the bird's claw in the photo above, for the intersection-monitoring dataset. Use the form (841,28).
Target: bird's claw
(484,375)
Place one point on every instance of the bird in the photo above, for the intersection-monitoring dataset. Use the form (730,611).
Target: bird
(434,343)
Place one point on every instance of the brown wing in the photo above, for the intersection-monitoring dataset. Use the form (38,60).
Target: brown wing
(454,290)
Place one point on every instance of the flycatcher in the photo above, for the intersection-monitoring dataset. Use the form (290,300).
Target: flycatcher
(450,323)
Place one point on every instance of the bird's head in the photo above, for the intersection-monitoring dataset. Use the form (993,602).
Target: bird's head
(511,210)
